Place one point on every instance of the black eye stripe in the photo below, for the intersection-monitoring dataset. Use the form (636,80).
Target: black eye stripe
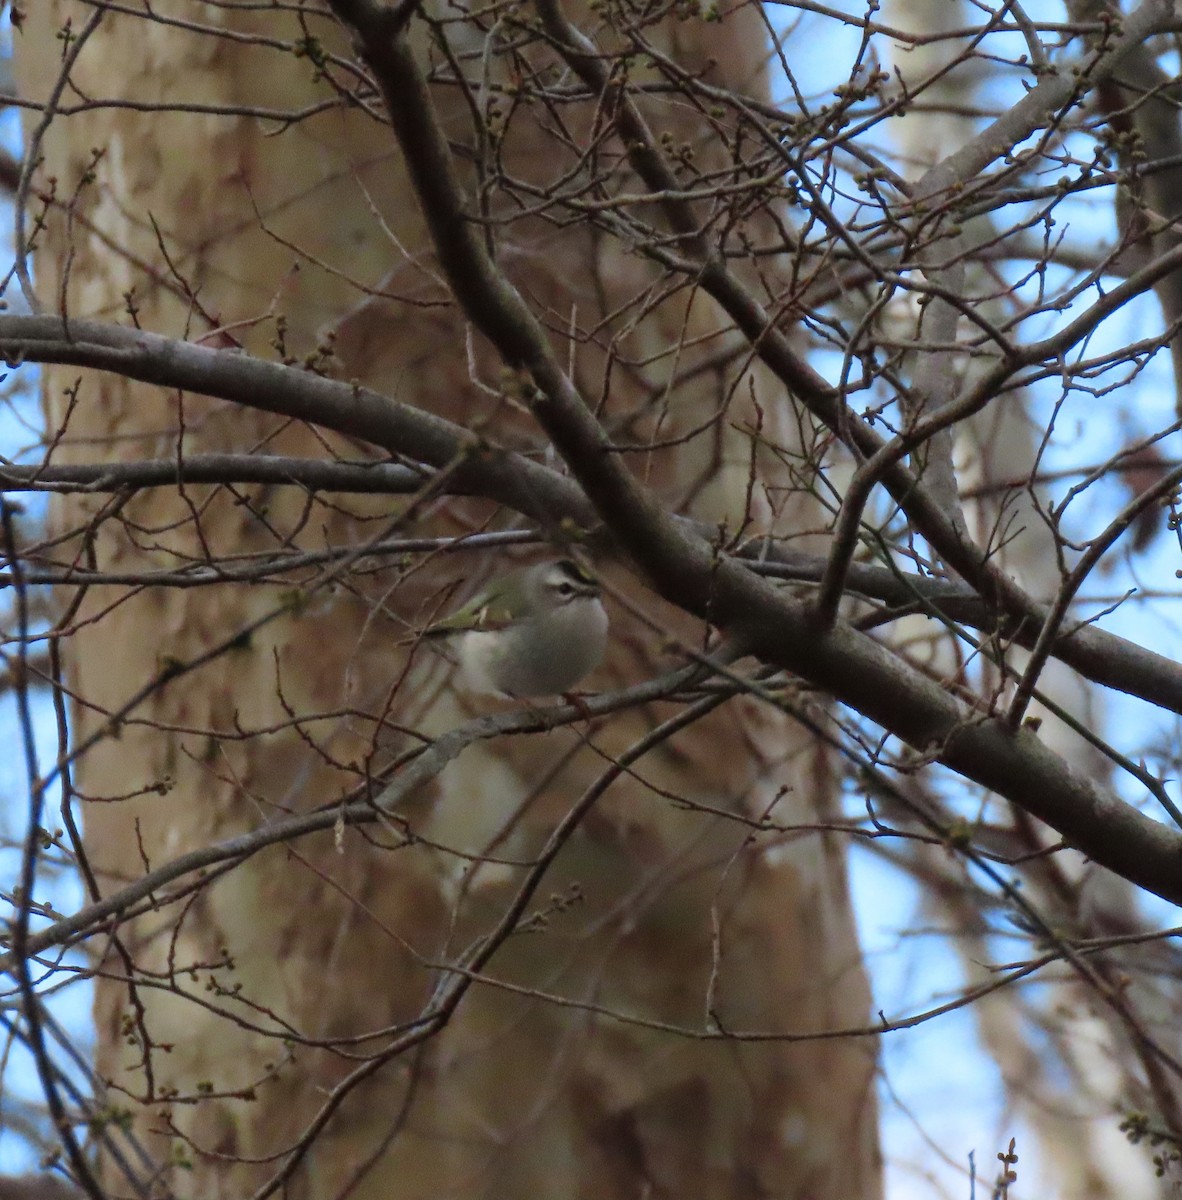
(567,581)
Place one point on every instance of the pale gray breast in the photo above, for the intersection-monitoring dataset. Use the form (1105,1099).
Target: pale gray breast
(544,656)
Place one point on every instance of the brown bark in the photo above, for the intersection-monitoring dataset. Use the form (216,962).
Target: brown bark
(676,906)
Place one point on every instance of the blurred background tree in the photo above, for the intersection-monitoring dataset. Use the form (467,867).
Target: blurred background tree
(796,322)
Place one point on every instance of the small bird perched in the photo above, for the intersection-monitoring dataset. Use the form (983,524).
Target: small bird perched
(534,632)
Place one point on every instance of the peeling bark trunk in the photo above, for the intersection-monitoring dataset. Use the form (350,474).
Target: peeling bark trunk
(668,915)
(1065,1059)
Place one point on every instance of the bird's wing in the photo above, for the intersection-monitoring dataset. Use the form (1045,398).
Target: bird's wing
(487,615)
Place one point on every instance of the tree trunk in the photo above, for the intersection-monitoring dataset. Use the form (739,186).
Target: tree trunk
(593,1059)
(1066,1062)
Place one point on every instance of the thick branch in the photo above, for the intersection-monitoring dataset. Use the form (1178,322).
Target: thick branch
(849,665)
(314,474)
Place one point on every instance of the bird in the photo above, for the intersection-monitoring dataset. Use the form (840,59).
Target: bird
(536,631)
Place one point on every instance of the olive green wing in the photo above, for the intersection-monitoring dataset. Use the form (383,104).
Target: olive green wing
(477,614)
